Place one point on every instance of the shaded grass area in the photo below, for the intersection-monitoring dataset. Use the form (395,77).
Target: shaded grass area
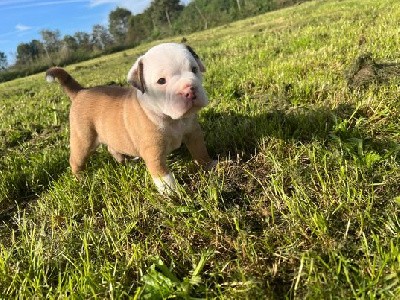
(304,203)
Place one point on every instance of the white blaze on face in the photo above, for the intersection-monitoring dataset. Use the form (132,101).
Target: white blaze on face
(173,80)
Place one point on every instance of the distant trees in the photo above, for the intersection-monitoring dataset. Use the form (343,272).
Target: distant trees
(140,28)
(101,38)
(156,21)
(51,41)
(118,21)
(70,43)
(83,40)
(162,18)
(3,61)
(230,10)
(164,12)
(168,17)
(29,52)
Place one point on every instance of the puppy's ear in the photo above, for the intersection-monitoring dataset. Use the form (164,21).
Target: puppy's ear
(135,75)
(196,57)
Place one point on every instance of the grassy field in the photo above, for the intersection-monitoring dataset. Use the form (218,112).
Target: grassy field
(304,203)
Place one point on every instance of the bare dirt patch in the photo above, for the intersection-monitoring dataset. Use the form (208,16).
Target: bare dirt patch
(366,71)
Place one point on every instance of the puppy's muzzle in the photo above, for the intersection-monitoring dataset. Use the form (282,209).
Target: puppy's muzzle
(188,92)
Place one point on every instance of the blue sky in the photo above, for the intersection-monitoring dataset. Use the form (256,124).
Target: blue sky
(22,20)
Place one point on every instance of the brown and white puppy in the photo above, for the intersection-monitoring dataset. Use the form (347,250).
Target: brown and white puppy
(150,120)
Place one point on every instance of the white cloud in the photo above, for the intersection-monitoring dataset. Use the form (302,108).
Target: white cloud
(20,27)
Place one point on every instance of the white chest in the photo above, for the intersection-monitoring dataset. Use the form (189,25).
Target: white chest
(175,132)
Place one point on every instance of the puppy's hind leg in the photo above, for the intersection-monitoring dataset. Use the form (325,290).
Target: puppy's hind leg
(119,157)
(122,158)
(81,147)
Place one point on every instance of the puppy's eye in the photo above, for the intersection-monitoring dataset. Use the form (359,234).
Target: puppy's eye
(194,70)
(162,81)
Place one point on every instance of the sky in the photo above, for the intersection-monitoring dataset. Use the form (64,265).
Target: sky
(22,20)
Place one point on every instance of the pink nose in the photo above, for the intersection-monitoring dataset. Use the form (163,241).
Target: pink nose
(189,92)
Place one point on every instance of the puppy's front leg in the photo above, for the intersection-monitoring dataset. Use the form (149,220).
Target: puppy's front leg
(157,166)
(196,145)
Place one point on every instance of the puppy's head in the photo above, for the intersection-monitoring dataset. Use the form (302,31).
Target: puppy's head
(170,76)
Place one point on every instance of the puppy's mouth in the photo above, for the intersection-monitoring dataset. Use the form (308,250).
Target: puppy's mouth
(185,101)
(182,107)
(193,100)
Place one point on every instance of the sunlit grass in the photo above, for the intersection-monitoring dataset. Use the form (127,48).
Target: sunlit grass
(304,203)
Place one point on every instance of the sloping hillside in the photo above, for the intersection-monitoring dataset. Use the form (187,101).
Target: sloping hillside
(305,200)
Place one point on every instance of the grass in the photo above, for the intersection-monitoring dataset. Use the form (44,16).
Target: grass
(304,203)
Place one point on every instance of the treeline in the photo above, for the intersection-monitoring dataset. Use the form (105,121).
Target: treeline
(161,19)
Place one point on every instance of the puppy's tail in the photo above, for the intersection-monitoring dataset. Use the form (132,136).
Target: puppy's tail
(69,84)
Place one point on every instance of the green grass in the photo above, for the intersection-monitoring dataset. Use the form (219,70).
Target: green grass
(304,203)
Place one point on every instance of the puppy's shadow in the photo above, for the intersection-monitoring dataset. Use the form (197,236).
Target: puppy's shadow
(230,134)
(27,182)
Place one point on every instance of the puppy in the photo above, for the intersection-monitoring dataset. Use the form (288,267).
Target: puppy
(148,120)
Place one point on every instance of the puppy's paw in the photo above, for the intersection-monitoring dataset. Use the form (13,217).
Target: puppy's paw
(165,185)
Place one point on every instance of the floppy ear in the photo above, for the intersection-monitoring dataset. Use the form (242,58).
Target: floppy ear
(196,57)
(135,75)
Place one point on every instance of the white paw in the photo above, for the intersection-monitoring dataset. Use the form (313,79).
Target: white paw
(166,184)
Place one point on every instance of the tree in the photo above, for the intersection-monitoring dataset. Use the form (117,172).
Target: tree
(202,16)
(37,49)
(24,54)
(164,11)
(83,40)
(51,41)
(29,52)
(70,42)
(3,61)
(68,48)
(140,28)
(239,5)
(101,38)
(118,21)
(194,17)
